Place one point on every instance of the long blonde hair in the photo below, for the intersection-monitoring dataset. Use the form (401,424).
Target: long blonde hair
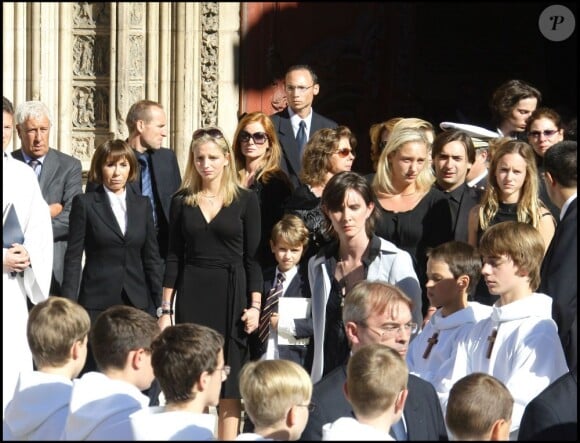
(529,205)
(401,135)
(191,184)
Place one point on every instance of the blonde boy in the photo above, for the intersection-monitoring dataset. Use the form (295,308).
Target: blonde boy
(288,241)
(276,396)
(479,408)
(376,387)
(57,333)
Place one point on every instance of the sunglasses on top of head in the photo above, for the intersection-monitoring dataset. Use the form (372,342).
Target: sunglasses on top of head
(212,132)
(259,137)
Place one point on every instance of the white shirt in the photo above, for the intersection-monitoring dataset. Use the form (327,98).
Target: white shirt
(119,207)
(295,120)
(567,205)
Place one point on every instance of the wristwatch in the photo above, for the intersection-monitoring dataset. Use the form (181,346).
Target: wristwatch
(161,311)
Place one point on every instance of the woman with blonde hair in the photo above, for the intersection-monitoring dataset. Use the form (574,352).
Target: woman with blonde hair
(214,236)
(414,215)
(258,154)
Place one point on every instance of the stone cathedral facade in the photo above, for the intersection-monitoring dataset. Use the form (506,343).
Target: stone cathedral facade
(89,61)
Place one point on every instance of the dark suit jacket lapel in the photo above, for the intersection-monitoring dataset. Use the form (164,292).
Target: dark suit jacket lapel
(411,415)
(293,289)
(133,214)
(289,144)
(105,212)
(49,169)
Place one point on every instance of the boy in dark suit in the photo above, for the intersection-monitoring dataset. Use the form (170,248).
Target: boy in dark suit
(281,335)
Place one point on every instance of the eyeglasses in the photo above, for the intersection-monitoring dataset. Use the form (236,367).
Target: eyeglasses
(547,133)
(212,132)
(382,144)
(311,407)
(297,89)
(391,330)
(225,371)
(259,137)
(345,152)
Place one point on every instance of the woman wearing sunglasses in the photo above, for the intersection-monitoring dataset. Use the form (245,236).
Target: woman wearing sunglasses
(328,152)
(414,215)
(545,129)
(258,154)
(213,238)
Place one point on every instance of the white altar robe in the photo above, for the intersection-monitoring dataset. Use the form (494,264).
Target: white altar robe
(20,187)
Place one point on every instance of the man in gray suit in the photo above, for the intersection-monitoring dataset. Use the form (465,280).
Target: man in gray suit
(59,176)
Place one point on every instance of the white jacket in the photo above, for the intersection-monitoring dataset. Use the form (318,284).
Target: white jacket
(39,407)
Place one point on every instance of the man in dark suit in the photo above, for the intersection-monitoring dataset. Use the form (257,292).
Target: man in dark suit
(59,176)
(558,273)
(453,154)
(301,85)
(553,414)
(147,124)
(364,324)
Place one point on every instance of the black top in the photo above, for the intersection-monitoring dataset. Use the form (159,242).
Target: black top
(425,226)
(272,196)
(212,265)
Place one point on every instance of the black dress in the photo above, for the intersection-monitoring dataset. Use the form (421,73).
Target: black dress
(213,267)
(272,197)
(425,226)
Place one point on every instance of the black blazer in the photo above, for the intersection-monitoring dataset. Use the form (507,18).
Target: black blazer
(553,414)
(559,279)
(469,198)
(115,263)
(290,152)
(422,412)
(166,180)
(298,287)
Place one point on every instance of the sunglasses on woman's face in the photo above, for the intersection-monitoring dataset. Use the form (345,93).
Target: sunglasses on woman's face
(212,132)
(345,152)
(259,137)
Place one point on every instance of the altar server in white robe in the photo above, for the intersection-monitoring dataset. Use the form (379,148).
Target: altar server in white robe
(453,270)
(518,344)
(27,267)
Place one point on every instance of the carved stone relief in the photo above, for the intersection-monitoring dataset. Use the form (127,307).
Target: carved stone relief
(101,107)
(101,55)
(83,146)
(84,107)
(136,15)
(136,52)
(209,63)
(83,56)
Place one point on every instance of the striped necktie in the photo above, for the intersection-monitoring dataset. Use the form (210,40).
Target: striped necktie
(270,307)
(36,166)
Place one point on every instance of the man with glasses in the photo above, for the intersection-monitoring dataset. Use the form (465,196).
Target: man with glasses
(378,312)
(298,121)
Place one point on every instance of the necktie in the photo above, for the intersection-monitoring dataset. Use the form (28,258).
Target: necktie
(35,165)
(301,137)
(270,307)
(146,188)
